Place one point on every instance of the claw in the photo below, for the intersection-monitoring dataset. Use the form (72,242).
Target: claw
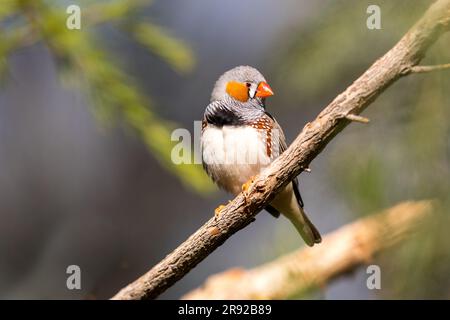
(247,185)
(218,212)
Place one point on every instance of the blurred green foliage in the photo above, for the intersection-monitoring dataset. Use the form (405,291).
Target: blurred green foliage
(325,53)
(404,153)
(86,63)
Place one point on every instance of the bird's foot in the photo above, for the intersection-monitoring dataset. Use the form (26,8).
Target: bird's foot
(218,212)
(247,185)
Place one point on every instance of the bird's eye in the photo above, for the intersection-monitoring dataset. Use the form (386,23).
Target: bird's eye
(251,91)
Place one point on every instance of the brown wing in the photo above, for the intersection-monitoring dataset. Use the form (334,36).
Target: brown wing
(282,147)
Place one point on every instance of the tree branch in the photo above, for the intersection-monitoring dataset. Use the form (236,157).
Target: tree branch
(340,252)
(408,52)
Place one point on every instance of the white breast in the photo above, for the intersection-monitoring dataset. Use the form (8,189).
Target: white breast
(234,154)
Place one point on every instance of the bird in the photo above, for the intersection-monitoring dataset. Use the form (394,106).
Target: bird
(239,139)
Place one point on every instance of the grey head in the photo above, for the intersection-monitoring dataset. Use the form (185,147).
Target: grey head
(241,83)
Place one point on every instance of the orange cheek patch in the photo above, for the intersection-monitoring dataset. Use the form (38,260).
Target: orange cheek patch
(237,90)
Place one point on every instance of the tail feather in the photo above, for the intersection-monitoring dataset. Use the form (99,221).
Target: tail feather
(289,204)
(306,228)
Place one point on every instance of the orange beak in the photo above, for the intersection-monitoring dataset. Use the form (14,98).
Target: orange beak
(264,90)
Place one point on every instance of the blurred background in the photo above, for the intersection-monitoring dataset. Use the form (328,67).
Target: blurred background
(86,117)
